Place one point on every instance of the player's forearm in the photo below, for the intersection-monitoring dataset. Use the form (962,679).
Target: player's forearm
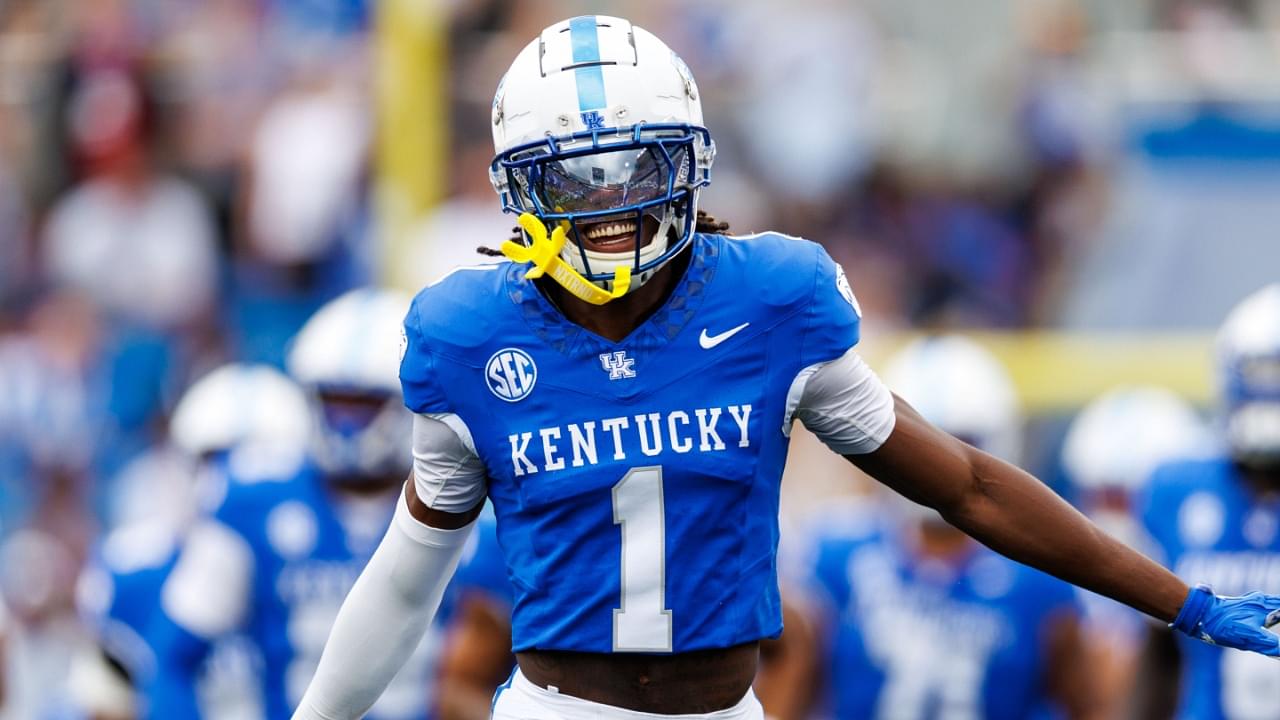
(1018,516)
(383,618)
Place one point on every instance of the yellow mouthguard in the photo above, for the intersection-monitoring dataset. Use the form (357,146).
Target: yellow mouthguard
(544,254)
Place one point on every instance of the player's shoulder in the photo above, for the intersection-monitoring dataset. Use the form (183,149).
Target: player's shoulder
(1189,502)
(780,269)
(1177,479)
(256,478)
(446,312)
(138,547)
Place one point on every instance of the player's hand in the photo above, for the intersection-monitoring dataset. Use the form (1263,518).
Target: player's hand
(1234,622)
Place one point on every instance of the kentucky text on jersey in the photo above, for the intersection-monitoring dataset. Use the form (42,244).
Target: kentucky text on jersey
(643,435)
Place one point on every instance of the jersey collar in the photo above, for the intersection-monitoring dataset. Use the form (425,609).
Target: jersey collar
(551,326)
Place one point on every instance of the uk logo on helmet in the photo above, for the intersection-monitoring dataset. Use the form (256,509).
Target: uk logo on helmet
(593,120)
(510,374)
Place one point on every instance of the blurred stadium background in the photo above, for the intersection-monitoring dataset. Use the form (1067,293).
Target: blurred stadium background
(1086,186)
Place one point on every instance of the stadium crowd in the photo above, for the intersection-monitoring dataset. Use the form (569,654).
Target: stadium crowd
(184,184)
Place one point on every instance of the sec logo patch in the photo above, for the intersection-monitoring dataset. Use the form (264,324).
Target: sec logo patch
(510,374)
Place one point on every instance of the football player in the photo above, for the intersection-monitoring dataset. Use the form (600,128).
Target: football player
(119,591)
(1108,455)
(921,621)
(1218,520)
(291,531)
(623,392)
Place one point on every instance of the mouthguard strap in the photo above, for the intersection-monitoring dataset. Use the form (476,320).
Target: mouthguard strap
(544,254)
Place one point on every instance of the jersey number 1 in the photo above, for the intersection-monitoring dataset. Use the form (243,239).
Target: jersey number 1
(643,623)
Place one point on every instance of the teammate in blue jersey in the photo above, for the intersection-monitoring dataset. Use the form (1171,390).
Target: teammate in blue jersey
(623,392)
(119,591)
(1218,520)
(290,533)
(920,621)
(1108,454)
(475,618)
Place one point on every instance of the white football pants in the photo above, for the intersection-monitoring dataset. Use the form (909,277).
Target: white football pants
(520,699)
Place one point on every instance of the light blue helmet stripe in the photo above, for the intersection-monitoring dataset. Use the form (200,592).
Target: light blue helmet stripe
(586,48)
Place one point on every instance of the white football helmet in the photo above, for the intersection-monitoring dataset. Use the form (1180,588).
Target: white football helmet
(597,120)
(962,388)
(1120,437)
(1248,348)
(347,357)
(240,403)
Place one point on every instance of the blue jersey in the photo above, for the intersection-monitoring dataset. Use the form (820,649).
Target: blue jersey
(306,560)
(120,591)
(120,597)
(635,483)
(915,638)
(1213,529)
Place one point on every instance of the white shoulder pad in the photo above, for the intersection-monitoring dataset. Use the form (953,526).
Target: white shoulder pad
(447,473)
(844,403)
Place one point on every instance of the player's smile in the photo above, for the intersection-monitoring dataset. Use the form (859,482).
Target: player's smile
(614,234)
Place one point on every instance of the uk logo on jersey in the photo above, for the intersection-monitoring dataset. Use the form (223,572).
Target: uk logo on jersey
(510,374)
(618,365)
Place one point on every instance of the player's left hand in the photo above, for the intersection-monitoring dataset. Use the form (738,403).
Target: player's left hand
(1234,622)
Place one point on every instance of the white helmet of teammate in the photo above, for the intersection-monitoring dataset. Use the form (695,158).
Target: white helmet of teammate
(598,120)
(962,388)
(1120,437)
(347,357)
(239,404)
(1249,377)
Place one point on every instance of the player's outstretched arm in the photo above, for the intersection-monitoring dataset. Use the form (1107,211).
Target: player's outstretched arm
(1015,514)
(385,614)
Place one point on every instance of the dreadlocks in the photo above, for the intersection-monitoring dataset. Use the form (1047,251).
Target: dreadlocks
(705,223)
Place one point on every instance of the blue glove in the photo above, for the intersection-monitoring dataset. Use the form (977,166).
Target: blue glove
(1234,622)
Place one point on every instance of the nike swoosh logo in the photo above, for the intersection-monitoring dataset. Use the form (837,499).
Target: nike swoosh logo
(709,341)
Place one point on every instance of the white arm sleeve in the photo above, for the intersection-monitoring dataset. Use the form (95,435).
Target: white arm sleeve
(447,473)
(383,617)
(842,402)
(208,590)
